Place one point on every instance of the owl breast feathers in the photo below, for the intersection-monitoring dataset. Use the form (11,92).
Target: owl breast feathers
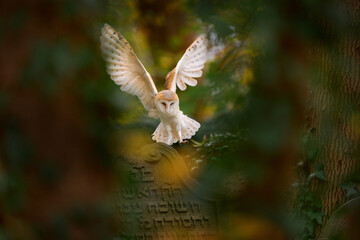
(126,70)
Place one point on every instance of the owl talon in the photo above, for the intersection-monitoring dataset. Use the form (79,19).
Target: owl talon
(183,141)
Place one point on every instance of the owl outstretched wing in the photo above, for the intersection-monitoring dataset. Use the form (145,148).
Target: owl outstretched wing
(125,69)
(189,67)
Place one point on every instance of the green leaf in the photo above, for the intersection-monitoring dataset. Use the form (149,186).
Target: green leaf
(320,175)
(349,187)
(319,172)
(311,153)
(310,227)
(319,218)
(349,184)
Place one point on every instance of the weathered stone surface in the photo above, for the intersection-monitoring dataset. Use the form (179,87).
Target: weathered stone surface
(160,200)
(344,222)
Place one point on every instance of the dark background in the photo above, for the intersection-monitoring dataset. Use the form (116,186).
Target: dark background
(64,122)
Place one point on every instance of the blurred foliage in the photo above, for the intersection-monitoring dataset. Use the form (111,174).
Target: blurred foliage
(63,122)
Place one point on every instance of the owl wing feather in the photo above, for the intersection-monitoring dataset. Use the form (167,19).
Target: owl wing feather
(189,67)
(126,70)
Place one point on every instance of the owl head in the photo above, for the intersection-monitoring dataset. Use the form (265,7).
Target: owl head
(167,102)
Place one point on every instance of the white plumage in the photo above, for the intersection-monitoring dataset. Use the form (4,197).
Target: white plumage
(126,70)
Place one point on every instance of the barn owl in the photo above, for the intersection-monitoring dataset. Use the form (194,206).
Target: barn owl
(126,70)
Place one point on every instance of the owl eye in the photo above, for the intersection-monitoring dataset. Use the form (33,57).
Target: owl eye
(163,104)
(171,104)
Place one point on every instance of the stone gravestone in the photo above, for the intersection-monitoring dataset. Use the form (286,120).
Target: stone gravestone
(344,222)
(160,200)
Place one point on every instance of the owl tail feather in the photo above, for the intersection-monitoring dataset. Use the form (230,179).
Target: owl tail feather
(188,128)
(160,134)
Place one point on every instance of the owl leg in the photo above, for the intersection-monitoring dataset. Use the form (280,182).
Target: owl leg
(178,130)
(179,134)
(169,135)
(180,138)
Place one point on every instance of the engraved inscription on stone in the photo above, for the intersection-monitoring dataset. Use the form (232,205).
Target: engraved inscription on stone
(160,200)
